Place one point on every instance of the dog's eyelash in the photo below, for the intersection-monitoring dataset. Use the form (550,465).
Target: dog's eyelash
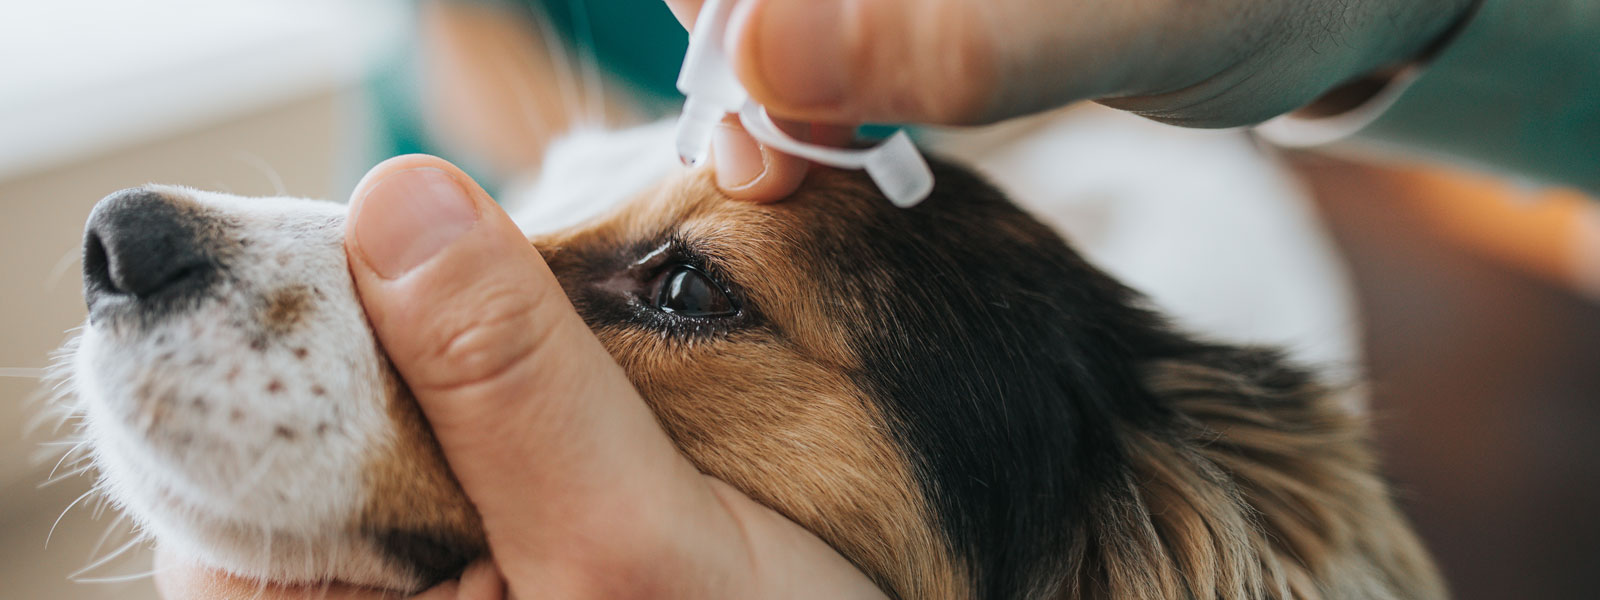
(674,250)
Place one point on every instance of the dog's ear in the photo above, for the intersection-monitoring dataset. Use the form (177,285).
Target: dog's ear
(1260,484)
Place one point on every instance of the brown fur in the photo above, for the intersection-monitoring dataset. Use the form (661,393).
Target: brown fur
(1254,482)
(1252,493)
(417,512)
(773,415)
(285,309)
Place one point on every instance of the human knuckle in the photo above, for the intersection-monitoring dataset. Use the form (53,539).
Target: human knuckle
(501,330)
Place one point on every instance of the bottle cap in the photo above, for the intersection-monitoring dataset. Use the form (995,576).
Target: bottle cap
(712,92)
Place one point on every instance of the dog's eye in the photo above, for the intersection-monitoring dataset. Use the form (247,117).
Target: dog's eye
(687,291)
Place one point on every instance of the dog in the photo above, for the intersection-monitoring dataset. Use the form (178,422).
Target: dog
(948,395)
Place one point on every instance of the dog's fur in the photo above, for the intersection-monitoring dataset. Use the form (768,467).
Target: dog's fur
(948,395)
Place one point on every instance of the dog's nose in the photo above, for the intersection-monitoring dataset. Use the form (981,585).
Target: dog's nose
(140,243)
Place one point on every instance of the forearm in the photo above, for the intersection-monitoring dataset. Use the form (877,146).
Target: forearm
(1518,89)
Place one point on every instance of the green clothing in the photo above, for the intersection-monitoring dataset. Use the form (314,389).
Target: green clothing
(638,41)
(1517,90)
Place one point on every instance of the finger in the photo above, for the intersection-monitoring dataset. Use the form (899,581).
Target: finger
(557,451)
(939,61)
(481,581)
(177,579)
(750,171)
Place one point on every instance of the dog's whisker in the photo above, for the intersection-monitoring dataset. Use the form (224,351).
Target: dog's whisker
(119,578)
(106,536)
(65,476)
(265,168)
(100,504)
(61,267)
(51,475)
(123,549)
(69,452)
(63,514)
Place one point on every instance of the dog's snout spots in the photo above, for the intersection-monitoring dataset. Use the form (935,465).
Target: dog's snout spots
(317,390)
(285,309)
(283,432)
(274,386)
(301,353)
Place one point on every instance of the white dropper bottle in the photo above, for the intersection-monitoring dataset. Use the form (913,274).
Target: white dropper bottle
(711,92)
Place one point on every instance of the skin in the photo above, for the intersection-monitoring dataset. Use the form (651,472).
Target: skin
(965,62)
(453,293)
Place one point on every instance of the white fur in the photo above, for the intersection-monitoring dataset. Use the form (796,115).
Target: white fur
(196,454)
(591,171)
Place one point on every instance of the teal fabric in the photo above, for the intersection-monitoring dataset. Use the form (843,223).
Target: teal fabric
(638,41)
(1518,90)
(392,85)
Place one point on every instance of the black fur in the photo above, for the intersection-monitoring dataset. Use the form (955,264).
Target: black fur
(1002,364)
(432,558)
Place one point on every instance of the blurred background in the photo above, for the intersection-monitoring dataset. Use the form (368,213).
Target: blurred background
(1470,303)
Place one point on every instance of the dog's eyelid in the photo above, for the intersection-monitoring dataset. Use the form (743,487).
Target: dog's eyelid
(675,250)
(655,257)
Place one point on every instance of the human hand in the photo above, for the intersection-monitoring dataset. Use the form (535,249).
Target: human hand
(582,494)
(958,62)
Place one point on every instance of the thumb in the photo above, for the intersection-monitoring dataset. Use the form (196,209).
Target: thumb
(548,438)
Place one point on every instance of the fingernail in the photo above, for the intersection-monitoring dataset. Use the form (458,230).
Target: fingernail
(409,216)
(802,51)
(737,157)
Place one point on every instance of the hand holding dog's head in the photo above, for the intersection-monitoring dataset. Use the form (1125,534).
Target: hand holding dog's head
(948,396)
